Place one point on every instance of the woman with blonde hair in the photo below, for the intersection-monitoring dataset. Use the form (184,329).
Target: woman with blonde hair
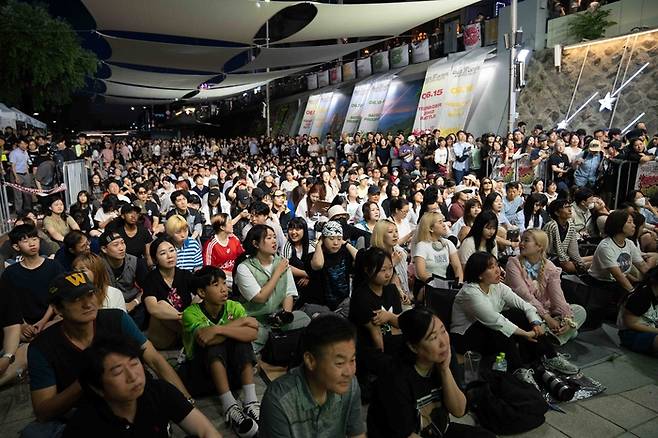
(433,253)
(537,280)
(108,296)
(385,236)
(188,250)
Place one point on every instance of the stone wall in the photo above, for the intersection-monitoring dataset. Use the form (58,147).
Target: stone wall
(546,97)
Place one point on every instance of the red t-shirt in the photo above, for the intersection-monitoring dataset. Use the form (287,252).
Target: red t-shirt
(223,257)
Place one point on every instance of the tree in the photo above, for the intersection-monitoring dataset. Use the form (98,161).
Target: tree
(590,25)
(43,62)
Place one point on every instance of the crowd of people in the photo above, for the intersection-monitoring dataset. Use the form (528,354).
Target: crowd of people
(224,248)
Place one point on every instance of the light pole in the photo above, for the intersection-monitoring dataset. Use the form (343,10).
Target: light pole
(512,68)
(267,84)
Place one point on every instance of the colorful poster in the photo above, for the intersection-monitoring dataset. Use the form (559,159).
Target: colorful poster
(349,71)
(372,109)
(420,51)
(309,114)
(363,67)
(380,62)
(353,117)
(320,115)
(448,92)
(400,56)
(647,179)
(400,106)
(323,78)
(335,119)
(335,75)
(312,81)
(472,36)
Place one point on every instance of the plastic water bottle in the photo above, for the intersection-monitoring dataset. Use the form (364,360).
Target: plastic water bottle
(500,364)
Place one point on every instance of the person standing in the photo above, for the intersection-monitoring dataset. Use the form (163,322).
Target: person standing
(20,174)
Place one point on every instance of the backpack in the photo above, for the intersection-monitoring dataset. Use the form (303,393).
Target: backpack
(506,405)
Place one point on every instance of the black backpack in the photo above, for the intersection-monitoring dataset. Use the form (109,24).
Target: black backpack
(505,405)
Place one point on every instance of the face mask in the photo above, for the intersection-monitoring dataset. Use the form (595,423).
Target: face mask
(640,202)
(590,206)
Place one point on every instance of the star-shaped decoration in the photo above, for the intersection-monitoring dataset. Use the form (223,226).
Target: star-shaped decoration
(607,102)
(562,124)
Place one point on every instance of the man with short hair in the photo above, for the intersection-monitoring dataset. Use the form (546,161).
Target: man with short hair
(321,397)
(582,215)
(512,202)
(54,358)
(180,199)
(20,174)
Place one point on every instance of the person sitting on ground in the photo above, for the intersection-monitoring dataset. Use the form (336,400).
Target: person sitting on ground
(415,397)
(582,207)
(108,297)
(563,239)
(194,219)
(537,280)
(120,398)
(399,208)
(217,335)
(371,214)
(135,235)
(481,237)
(167,293)
(259,213)
(299,250)
(29,280)
(638,317)
(75,244)
(321,397)
(478,323)
(188,250)
(513,202)
(494,202)
(533,214)
(331,269)
(462,227)
(266,284)
(616,255)
(386,237)
(55,356)
(57,223)
(434,254)
(224,248)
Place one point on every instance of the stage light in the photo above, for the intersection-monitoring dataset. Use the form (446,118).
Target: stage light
(132,108)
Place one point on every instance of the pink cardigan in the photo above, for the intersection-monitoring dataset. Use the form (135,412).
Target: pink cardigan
(549,299)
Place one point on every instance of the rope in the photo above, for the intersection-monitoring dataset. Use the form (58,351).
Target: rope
(628,64)
(573,95)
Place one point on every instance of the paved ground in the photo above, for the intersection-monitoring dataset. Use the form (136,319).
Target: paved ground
(628,408)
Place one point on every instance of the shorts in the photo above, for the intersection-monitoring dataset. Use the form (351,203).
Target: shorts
(640,342)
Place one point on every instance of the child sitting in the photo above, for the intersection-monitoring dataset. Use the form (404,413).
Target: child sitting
(217,335)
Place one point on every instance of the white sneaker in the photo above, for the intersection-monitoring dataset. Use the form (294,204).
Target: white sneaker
(252,410)
(242,425)
(526,375)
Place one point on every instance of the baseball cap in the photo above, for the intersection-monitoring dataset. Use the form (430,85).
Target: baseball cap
(336,210)
(69,286)
(108,237)
(373,190)
(212,182)
(364,176)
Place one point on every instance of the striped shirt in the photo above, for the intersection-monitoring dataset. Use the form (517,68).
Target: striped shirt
(188,257)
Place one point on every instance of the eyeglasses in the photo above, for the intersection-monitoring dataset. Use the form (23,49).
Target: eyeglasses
(141,192)
(276,195)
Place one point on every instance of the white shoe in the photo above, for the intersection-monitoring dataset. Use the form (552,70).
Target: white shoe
(243,425)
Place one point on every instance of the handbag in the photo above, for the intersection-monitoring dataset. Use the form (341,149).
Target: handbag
(283,348)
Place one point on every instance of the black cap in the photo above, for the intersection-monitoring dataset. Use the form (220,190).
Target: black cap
(69,286)
(127,208)
(373,190)
(108,237)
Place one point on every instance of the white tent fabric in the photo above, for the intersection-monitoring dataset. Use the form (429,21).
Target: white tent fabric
(274,57)
(124,90)
(225,20)
(246,78)
(339,21)
(216,93)
(180,56)
(29,120)
(133,101)
(7,117)
(152,79)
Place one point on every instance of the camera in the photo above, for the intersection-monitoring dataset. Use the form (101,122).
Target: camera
(557,387)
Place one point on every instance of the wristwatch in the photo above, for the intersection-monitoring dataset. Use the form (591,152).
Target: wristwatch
(9,356)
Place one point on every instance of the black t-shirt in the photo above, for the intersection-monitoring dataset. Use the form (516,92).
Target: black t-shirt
(10,309)
(135,245)
(179,295)
(362,305)
(160,403)
(31,287)
(641,301)
(404,402)
(561,161)
(331,284)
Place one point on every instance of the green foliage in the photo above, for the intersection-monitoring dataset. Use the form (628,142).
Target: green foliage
(43,62)
(590,25)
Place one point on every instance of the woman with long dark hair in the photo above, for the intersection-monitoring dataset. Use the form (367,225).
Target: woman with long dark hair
(57,223)
(481,237)
(298,250)
(461,228)
(532,215)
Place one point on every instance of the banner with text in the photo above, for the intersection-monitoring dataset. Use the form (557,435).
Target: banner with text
(447,92)
(420,51)
(320,115)
(323,78)
(312,81)
(380,62)
(363,67)
(400,56)
(647,179)
(349,71)
(309,114)
(335,75)
(372,109)
(353,117)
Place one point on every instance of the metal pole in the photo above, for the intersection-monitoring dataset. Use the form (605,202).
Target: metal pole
(512,60)
(267,85)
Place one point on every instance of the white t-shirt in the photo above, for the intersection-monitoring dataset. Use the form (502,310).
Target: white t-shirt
(249,287)
(114,299)
(608,255)
(436,255)
(467,249)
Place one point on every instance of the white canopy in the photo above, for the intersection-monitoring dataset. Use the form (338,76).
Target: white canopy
(162,80)
(124,90)
(7,117)
(29,120)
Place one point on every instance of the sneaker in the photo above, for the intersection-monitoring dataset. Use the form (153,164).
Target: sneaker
(242,425)
(560,364)
(253,410)
(526,375)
